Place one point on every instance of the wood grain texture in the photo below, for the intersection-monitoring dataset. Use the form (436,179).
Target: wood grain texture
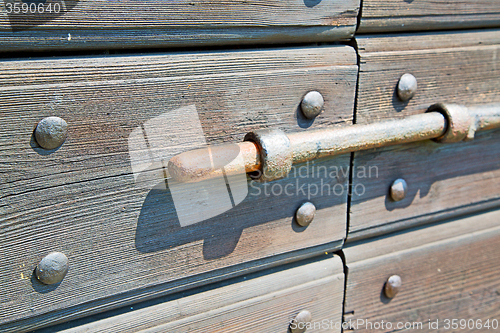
(444,180)
(264,302)
(94,24)
(418,15)
(456,67)
(448,271)
(441,178)
(123,241)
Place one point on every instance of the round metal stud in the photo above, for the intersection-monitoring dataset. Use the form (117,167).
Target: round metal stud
(312,104)
(52,268)
(305,214)
(392,286)
(50,133)
(398,189)
(407,87)
(299,323)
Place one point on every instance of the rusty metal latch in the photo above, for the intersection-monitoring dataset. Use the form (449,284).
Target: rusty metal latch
(269,154)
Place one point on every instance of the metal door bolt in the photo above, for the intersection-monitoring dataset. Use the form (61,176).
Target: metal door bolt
(461,124)
(274,151)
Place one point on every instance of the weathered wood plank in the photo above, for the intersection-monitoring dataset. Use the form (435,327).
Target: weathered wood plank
(94,24)
(444,179)
(418,15)
(123,237)
(448,271)
(452,67)
(264,302)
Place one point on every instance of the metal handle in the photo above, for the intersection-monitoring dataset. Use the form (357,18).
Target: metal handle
(271,153)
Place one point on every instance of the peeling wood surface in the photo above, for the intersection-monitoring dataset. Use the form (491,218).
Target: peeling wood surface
(264,302)
(448,271)
(419,15)
(92,24)
(443,179)
(123,241)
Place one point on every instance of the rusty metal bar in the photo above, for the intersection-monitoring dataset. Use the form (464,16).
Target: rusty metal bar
(322,143)
(198,164)
(487,116)
(271,153)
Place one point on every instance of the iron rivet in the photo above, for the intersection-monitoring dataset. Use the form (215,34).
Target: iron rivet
(399,189)
(50,132)
(52,268)
(407,87)
(299,323)
(392,286)
(311,104)
(305,214)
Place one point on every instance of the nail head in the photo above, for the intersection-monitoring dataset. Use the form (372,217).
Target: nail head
(407,87)
(305,214)
(52,268)
(399,189)
(392,286)
(299,323)
(312,104)
(50,133)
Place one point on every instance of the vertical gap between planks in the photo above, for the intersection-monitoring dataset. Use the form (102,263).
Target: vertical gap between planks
(346,274)
(351,177)
(360,15)
(351,162)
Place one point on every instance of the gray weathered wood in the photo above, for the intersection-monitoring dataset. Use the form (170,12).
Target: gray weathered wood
(448,271)
(444,180)
(418,15)
(265,303)
(452,67)
(126,24)
(123,241)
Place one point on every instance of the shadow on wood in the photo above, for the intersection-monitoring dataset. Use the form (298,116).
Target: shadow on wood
(158,226)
